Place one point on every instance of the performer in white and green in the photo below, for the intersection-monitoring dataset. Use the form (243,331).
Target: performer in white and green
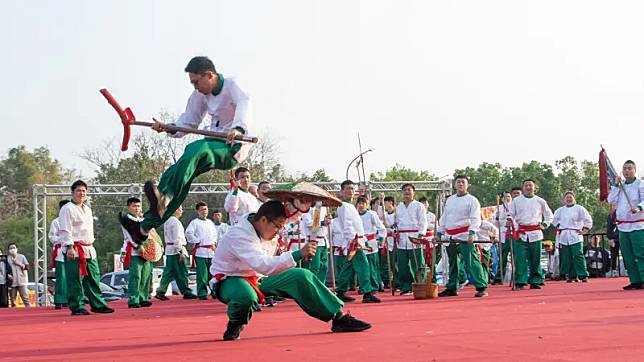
(461,221)
(500,217)
(81,266)
(58,262)
(411,219)
(375,233)
(245,273)
(229,107)
(175,258)
(239,201)
(356,260)
(139,270)
(389,208)
(530,215)
(630,222)
(315,228)
(572,221)
(202,234)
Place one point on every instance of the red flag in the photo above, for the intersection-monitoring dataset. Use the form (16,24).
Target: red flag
(607,175)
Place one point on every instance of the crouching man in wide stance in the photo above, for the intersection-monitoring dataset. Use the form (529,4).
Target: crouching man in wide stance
(245,270)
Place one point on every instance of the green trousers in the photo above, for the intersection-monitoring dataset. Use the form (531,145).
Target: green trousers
(60,288)
(471,265)
(384,268)
(78,286)
(319,264)
(297,283)
(339,265)
(572,262)
(139,280)
(177,271)
(203,275)
(374,270)
(409,260)
(198,157)
(485,263)
(360,266)
(528,262)
(438,259)
(503,260)
(631,245)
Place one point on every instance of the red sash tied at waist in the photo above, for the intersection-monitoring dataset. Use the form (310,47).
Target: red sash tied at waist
(429,233)
(371,237)
(339,249)
(194,253)
(619,222)
(54,254)
(82,263)
(456,231)
(128,255)
(253,281)
(524,229)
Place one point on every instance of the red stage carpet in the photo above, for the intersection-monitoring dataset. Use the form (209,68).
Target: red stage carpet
(596,321)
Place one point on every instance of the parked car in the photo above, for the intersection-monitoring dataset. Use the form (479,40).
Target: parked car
(192,283)
(110,294)
(116,280)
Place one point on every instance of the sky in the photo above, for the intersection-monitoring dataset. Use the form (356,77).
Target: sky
(430,85)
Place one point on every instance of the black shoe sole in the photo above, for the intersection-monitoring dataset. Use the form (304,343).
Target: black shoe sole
(162,298)
(103,311)
(149,190)
(357,329)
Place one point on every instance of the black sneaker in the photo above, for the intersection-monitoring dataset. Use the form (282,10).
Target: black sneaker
(203,298)
(232,331)
(59,306)
(535,286)
(406,292)
(269,302)
(189,296)
(102,310)
(370,298)
(134,306)
(145,304)
(584,280)
(153,196)
(568,280)
(345,298)
(80,312)
(347,323)
(519,287)
(480,294)
(161,297)
(133,228)
(634,286)
(279,299)
(448,293)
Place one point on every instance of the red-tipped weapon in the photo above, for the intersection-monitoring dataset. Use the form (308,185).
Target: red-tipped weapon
(128,119)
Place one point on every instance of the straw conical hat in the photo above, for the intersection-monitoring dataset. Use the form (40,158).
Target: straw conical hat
(304,191)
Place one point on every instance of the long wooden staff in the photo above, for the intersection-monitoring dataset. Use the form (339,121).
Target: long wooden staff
(389,269)
(502,262)
(512,263)
(433,261)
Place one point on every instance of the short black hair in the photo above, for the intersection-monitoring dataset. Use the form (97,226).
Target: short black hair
(259,185)
(423,199)
(272,210)
(361,199)
(461,177)
(372,202)
(133,200)
(630,162)
(408,185)
(217,211)
(62,203)
(517,188)
(528,180)
(390,199)
(346,183)
(14,244)
(200,65)
(240,170)
(77,184)
(200,204)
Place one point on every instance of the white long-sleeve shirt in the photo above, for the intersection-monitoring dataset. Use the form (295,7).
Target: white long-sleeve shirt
(229,109)
(77,224)
(530,211)
(461,212)
(55,239)
(410,217)
(202,232)
(338,238)
(485,233)
(241,253)
(391,220)
(571,220)
(321,235)
(175,237)
(238,204)
(372,225)
(431,220)
(500,217)
(222,229)
(635,191)
(350,224)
